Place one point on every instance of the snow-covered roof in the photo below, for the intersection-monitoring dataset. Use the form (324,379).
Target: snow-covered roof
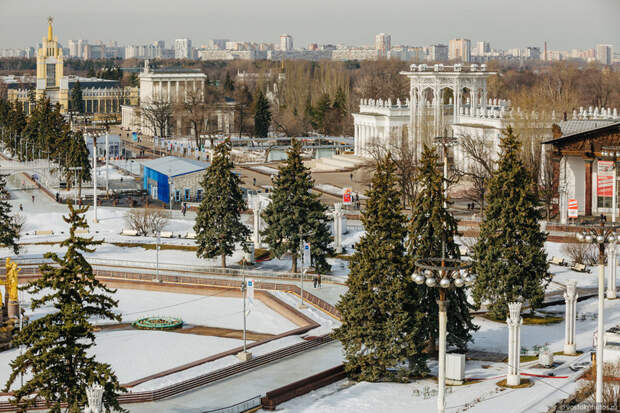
(569,127)
(172,166)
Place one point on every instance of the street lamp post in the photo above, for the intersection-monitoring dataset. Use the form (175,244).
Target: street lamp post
(602,235)
(303,271)
(612,152)
(442,273)
(157,241)
(445,142)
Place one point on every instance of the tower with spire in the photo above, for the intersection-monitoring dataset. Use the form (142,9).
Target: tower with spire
(51,81)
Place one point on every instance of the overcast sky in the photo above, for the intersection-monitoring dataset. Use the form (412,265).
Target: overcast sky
(565,24)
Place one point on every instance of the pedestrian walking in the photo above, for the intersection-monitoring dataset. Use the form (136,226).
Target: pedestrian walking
(33,199)
(319,280)
(184,208)
(21,207)
(315,281)
(57,196)
(351,175)
(254,181)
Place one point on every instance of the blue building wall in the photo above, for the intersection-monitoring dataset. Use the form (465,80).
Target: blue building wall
(163,190)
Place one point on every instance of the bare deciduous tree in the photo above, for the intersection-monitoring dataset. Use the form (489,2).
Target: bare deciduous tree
(147,221)
(478,168)
(158,115)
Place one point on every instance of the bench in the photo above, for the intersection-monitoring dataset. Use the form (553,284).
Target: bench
(557,261)
(579,267)
(129,232)
(81,231)
(165,234)
(464,251)
(44,232)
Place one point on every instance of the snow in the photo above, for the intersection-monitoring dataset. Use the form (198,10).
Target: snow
(216,364)
(335,190)
(134,354)
(264,169)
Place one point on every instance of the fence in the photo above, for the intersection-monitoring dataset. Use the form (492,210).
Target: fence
(239,407)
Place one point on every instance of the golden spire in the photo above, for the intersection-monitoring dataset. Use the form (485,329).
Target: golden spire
(49,28)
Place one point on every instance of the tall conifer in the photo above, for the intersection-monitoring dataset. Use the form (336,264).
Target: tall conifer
(294,209)
(9,228)
(218,223)
(431,229)
(511,261)
(56,363)
(381,323)
(262,115)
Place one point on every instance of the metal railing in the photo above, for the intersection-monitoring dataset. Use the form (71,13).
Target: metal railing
(239,407)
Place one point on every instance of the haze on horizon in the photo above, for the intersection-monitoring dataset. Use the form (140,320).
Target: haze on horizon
(506,24)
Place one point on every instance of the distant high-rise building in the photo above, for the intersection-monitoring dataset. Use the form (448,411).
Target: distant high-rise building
(182,49)
(219,44)
(383,44)
(460,49)
(161,44)
(532,53)
(604,53)
(482,48)
(286,42)
(437,53)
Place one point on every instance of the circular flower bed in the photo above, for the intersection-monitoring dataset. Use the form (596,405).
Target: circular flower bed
(158,323)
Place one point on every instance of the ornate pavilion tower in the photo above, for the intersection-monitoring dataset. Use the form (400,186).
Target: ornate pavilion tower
(50,79)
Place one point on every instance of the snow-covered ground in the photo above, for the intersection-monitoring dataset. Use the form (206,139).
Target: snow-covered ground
(134,354)
(493,336)
(204,310)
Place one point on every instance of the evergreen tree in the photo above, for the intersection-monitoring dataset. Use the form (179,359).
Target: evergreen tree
(9,228)
(229,85)
(511,261)
(321,114)
(431,234)
(262,115)
(381,320)
(294,209)
(218,223)
(56,357)
(76,102)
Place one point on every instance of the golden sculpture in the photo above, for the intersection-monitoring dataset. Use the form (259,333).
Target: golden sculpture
(11,283)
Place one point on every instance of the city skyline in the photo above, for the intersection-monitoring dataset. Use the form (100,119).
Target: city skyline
(563,26)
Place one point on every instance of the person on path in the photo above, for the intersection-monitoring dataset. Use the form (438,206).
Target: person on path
(184,208)
(33,199)
(319,280)
(315,281)
(21,207)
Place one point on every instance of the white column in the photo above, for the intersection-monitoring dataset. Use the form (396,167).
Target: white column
(457,104)
(474,101)
(514,322)
(338,213)
(600,341)
(436,106)
(611,283)
(570,298)
(169,97)
(94,395)
(257,207)
(563,189)
(441,376)
(94,179)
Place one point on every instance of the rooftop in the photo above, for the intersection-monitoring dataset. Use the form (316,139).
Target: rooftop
(172,166)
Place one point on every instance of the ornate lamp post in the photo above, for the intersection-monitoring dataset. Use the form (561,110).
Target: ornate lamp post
(442,273)
(601,235)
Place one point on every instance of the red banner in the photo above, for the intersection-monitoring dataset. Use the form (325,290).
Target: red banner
(573,208)
(605,179)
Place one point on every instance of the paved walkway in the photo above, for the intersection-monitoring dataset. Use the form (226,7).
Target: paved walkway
(244,386)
